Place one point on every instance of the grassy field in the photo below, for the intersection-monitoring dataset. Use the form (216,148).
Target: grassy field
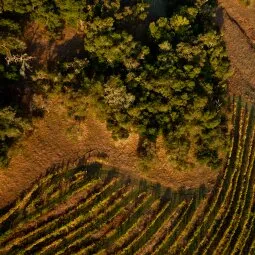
(80,208)
(248,2)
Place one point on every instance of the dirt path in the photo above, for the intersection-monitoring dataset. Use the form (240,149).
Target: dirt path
(238,27)
(242,58)
(52,142)
(242,15)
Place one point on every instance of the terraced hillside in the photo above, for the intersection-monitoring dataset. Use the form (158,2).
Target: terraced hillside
(79,208)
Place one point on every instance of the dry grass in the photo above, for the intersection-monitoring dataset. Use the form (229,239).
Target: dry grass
(238,27)
(55,139)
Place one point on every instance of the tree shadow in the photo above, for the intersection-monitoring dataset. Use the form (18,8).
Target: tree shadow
(220,17)
(70,49)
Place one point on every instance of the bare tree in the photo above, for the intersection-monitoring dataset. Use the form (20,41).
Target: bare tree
(23,59)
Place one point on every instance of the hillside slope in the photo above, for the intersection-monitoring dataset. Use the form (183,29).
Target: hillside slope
(238,26)
(58,138)
(86,210)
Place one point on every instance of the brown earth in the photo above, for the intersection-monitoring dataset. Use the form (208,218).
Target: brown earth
(57,137)
(47,50)
(238,28)
(242,15)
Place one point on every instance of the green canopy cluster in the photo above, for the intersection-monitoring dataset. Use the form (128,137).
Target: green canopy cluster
(156,76)
(171,82)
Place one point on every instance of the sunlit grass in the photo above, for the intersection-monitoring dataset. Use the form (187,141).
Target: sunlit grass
(248,2)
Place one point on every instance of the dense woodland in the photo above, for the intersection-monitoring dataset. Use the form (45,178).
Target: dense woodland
(149,73)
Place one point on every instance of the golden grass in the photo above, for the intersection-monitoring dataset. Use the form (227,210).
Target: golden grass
(57,137)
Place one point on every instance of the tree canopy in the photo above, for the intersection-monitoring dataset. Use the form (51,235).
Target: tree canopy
(157,76)
(172,82)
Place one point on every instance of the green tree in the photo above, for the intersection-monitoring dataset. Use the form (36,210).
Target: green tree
(11,128)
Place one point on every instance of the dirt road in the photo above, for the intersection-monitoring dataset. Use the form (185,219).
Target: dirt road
(238,27)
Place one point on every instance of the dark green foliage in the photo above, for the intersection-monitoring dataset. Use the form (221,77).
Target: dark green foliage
(156,76)
(19,6)
(11,128)
(173,82)
(13,65)
(146,148)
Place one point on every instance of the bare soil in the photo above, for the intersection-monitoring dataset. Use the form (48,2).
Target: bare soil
(57,137)
(46,50)
(242,15)
(238,27)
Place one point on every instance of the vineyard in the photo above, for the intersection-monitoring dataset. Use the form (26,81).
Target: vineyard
(82,208)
